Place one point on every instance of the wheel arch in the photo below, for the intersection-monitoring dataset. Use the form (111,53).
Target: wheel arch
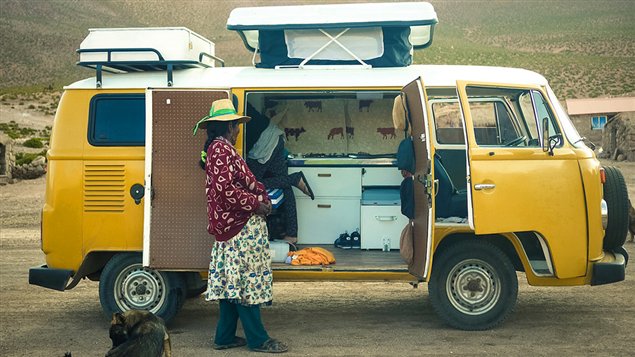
(92,266)
(507,243)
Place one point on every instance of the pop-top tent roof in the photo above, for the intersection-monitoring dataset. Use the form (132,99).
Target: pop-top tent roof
(419,16)
(370,28)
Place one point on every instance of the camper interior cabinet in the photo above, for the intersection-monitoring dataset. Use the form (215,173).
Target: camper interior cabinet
(345,144)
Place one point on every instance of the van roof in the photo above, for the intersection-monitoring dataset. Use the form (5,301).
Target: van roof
(249,77)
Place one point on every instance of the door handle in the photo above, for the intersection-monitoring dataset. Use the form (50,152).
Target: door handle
(484,186)
(386,218)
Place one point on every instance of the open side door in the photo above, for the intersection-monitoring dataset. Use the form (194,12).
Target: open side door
(516,184)
(417,109)
(175,233)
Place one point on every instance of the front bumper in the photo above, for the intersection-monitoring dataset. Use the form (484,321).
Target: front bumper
(56,279)
(611,269)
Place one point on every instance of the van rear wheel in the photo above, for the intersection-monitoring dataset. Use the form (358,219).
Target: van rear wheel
(473,285)
(125,284)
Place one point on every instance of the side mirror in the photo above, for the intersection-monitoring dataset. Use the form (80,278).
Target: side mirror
(545,136)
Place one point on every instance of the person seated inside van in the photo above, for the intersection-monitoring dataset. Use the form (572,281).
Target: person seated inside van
(267,159)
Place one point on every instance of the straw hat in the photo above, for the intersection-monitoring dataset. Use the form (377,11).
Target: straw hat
(221,110)
(399,115)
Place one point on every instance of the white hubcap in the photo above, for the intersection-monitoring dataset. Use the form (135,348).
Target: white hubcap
(139,288)
(473,287)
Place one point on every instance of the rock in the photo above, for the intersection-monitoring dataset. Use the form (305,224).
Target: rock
(39,161)
(621,157)
(29,171)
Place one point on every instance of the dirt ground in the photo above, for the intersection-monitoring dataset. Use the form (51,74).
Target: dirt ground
(319,319)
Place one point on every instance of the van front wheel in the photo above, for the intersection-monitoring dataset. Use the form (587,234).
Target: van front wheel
(473,285)
(125,284)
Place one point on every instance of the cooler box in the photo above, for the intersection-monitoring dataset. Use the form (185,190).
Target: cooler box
(381,219)
(173,43)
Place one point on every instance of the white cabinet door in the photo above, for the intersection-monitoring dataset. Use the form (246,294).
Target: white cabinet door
(322,220)
(381,176)
(332,181)
(381,225)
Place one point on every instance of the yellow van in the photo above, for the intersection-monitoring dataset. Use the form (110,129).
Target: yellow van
(502,182)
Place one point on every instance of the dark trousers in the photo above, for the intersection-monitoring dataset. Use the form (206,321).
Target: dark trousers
(275,174)
(255,332)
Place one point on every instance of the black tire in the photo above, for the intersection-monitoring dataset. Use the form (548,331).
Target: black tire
(126,285)
(480,270)
(616,197)
(194,284)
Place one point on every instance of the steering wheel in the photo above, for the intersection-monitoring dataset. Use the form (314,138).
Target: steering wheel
(517,141)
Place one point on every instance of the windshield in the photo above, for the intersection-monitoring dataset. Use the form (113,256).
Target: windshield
(567,126)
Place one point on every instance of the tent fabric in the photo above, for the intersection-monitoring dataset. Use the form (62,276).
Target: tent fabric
(396,52)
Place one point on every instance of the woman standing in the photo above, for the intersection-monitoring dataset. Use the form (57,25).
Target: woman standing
(240,275)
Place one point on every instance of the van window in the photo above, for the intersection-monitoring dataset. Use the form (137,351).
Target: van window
(543,111)
(492,122)
(117,120)
(448,123)
(512,119)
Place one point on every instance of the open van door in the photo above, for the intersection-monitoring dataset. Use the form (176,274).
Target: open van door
(523,176)
(417,115)
(175,233)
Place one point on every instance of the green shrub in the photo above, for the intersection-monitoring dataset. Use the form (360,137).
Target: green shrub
(23,158)
(34,143)
(14,131)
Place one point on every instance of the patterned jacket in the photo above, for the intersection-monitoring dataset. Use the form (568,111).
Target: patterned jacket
(233,193)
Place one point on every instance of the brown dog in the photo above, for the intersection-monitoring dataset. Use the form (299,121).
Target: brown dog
(138,333)
(631,221)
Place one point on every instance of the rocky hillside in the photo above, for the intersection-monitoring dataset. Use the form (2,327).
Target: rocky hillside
(585,48)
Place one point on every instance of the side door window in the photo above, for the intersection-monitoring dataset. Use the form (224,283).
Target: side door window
(511,117)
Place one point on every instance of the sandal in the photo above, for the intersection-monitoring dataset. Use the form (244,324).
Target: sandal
(271,346)
(238,342)
(303,185)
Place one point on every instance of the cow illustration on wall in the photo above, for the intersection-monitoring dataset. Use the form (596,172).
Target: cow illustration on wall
(365,104)
(313,105)
(295,132)
(336,131)
(387,131)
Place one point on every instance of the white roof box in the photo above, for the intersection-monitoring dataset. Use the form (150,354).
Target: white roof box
(137,49)
(419,16)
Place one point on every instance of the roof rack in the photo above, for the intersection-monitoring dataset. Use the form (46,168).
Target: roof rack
(125,50)
(160,64)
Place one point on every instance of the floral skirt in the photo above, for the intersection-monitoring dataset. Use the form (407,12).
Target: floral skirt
(240,268)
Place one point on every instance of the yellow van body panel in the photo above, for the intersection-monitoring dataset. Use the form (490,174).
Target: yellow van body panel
(71,228)
(533,191)
(515,183)
(594,192)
